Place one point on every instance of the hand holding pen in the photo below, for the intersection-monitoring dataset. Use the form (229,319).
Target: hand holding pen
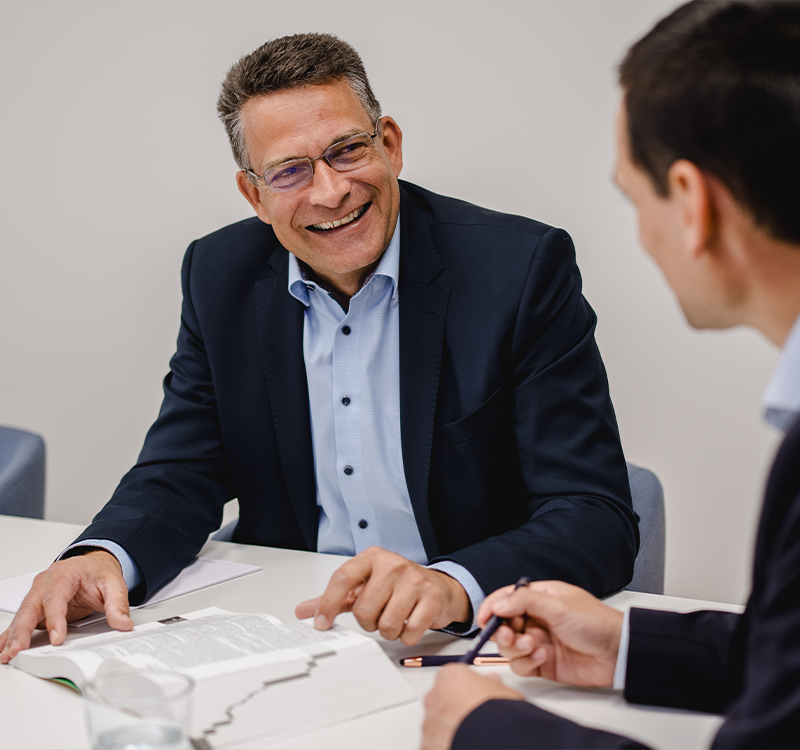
(471,657)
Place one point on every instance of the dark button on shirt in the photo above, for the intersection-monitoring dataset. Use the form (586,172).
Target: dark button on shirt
(362,524)
(348,470)
(346,330)
(345,400)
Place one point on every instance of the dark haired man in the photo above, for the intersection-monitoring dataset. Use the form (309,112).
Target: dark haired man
(372,370)
(709,154)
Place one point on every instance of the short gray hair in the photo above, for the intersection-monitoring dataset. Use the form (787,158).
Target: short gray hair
(288,63)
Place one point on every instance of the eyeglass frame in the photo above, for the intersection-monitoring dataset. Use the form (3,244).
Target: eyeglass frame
(311,159)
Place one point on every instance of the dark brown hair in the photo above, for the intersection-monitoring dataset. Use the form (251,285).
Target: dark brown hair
(288,63)
(718,84)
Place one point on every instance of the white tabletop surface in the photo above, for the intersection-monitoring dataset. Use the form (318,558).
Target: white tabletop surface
(35,713)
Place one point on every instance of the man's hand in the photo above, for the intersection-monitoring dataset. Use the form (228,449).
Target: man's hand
(557,631)
(457,692)
(66,591)
(390,594)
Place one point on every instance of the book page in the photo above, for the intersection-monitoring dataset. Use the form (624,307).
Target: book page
(358,681)
(208,642)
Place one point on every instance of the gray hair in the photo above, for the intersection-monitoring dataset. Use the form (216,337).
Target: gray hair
(288,63)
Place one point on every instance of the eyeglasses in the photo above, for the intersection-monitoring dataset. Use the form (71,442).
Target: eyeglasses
(343,156)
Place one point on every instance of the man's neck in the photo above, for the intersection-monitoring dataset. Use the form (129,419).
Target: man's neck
(342,288)
(775,299)
(762,274)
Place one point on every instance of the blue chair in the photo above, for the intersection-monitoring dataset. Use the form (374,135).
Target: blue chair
(22,462)
(648,504)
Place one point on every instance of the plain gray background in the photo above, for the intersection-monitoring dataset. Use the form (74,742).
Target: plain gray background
(113,161)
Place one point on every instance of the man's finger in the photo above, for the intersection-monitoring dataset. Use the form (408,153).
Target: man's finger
(55,606)
(389,611)
(486,610)
(337,596)
(18,635)
(115,599)
(420,619)
(306,608)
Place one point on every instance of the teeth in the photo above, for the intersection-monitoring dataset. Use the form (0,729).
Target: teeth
(341,222)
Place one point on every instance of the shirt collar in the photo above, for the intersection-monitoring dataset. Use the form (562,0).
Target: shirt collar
(782,397)
(388,266)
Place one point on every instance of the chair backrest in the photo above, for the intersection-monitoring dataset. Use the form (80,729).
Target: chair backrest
(22,468)
(648,504)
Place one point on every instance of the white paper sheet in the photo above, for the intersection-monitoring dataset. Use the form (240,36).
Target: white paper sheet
(200,574)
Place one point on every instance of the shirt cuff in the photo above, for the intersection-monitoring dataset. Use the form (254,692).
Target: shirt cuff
(622,654)
(475,593)
(130,570)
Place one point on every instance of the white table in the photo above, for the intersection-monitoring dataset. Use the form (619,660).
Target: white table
(38,714)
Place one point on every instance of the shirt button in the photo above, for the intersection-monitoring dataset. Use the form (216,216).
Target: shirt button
(346,330)
(362,524)
(348,470)
(346,400)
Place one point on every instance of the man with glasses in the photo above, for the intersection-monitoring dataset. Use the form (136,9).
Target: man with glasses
(372,370)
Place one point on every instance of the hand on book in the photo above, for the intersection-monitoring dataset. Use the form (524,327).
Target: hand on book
(69,590)
(388,593)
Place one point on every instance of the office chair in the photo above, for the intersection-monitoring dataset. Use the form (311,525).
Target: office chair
(648,504)
(22,458)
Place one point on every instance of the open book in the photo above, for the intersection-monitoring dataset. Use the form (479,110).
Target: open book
(256,678)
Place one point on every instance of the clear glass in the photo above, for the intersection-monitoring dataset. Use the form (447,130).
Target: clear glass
(139,709)
(342,156)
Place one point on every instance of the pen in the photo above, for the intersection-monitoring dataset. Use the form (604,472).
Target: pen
(487,660)
(492,624)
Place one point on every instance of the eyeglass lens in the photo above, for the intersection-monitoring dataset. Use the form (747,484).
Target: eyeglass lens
(342,156)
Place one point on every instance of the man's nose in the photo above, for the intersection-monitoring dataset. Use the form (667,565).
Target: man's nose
(329,187)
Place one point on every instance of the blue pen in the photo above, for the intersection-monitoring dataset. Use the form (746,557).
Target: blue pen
(490,627)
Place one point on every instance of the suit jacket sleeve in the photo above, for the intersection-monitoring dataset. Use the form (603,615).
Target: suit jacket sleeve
(517,724)
(681,660)
(165,507)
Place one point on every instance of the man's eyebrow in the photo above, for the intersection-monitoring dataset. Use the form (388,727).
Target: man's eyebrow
(341,137)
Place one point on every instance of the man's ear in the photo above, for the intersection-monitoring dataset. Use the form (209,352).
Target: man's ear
(252,195)
(690,190)
(392,139)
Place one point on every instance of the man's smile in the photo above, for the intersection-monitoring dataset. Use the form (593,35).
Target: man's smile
(326,226)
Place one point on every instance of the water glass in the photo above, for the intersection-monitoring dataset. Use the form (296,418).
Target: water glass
(139,709)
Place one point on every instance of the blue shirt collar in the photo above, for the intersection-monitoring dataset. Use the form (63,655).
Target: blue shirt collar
(782,397)
(388,266)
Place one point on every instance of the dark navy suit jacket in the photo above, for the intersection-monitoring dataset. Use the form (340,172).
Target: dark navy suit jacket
(510,445)
(745,666)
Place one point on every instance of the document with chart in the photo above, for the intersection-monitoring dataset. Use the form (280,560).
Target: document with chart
(257,679)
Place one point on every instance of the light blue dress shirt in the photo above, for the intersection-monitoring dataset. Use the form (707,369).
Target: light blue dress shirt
(781,401)
(353,370)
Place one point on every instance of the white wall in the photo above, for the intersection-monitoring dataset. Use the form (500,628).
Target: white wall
(113,161)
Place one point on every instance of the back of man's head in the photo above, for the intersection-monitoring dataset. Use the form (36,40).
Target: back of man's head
(718,84)
(288,63)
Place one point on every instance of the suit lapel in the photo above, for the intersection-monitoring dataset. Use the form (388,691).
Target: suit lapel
(423,310)
(280,333)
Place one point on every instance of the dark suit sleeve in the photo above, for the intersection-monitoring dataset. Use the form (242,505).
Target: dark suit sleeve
(165,507)
(681,660)
(575,520)
(517,724)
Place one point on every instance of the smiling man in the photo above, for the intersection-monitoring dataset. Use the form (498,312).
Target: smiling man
(373,370)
